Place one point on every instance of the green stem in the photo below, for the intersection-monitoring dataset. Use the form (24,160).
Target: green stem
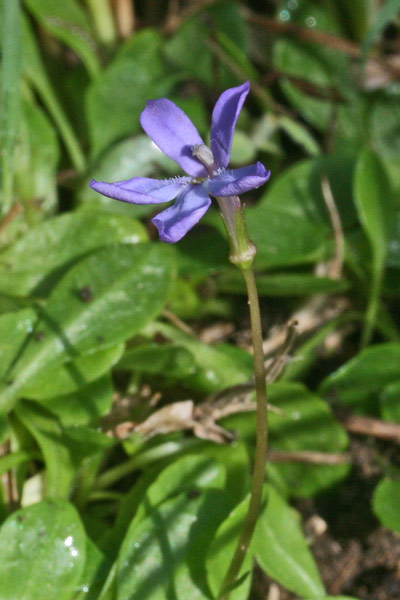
(261,443)
(103,20)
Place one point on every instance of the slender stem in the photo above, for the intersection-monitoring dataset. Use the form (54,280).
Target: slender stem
(103,20)
(261,444)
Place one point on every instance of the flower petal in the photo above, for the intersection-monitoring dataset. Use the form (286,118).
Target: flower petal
(238,181)
(174,133)
(142,190)
(174,222)
(225,114)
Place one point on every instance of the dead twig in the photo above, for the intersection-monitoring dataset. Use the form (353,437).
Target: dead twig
(372,427)
(16,210)
(336,266)
(125,17)
(309,456)
(170,316)
(175,19)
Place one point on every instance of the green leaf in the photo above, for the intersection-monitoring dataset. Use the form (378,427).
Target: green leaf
(386,502)
(282,551)
(136,73)
(70,236)
(299,61)
(359,381)
(42,551)
(11,461)
(163,555)
(172,361)
(10,97)
(72,376)
(103,300)
(53,442)
(190,473)
(14,329)
(290,225)
(221,552)
(372,198)
(300,135)
(68,22)
(36,73)
(94,574)
(36,162)
(216,367)
(390,402)
(86,405)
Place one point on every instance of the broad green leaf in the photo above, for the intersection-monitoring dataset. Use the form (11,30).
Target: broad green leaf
(373,202)
(390,402)
(15,327)
(281,549)
(283,284)
(70,236)
(359,381)
(221,552)
(86,405)
(103,300)
(216,367)
(136,74)
(42,551)
(53,442)
(386,502)
(164,554)
(69,23)
(133,157)
(191,473)
(290,224)
(72,376)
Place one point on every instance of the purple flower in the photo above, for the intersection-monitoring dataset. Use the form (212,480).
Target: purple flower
(208,174)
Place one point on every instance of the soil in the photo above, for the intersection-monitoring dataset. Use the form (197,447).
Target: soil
(355,554)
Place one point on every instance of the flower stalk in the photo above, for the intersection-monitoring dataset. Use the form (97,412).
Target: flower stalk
(243,252)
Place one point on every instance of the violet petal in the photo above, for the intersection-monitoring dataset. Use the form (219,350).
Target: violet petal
(225,115)
(174,133)
(175,221)
(237,181)
(142,190)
